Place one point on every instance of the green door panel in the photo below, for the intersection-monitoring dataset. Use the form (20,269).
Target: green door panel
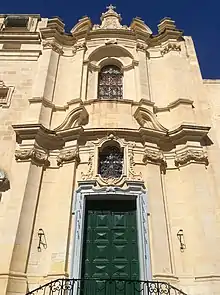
(110,241)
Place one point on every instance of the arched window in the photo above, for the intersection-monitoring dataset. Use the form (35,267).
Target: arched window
(110,83)
(111,162)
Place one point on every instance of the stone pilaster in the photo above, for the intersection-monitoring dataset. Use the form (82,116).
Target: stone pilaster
(17,276)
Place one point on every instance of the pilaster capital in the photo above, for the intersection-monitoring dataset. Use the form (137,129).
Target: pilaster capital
(51,44)
(190,155)
(154,157)
(35,155)
(68,156)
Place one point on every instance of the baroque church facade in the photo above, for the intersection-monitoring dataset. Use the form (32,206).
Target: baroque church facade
(109,160)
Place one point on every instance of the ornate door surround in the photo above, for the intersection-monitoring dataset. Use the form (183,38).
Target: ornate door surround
(89,190)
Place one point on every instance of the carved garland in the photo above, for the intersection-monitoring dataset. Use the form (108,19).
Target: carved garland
(191,155)
(37,156)
(132,174)
(170,47)
(89,174)
(54,46)
(155,157)
(68,156)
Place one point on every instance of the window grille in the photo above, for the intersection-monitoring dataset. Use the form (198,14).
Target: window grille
(110,83)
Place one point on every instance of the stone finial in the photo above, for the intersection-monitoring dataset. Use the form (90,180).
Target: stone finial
(166,23)
(111,19)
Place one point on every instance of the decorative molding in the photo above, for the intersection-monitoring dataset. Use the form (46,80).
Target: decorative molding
(110,20)
(131,172)
(174,104)
(79,46)
(4,181)
(90,189)
(148,120)
(170,47)
(53,45)
(5,94)
(77,117)
(111,41)
(68,156)
(90,172)
(141,46)
(55,139)
(37,156)
(154,157)
(190,155)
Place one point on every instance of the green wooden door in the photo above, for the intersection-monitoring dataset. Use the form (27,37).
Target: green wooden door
(110,242)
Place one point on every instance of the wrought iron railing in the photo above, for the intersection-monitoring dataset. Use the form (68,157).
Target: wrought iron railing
(105,287)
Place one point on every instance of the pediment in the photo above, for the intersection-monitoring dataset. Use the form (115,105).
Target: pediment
(83,26)
(147,119)
(75,118)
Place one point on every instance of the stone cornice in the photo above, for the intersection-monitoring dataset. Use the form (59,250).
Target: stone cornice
(24,37)
(173,104)
(62,39)
(55,139)
(20,55)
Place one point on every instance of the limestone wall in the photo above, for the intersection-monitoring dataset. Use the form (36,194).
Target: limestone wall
(53,126)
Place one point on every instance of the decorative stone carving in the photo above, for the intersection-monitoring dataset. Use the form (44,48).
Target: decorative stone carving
(170,47)
(79,46)
(191,155)
(89,174)
(53,45)
(68,156)
(155,157)
(110,20)
(132,174)
(39,157)
(147,119)
(5,94)
(111,41)
(4,182)
(75,118)
(141,46)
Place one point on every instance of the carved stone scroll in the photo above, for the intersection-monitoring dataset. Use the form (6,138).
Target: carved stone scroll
(155,157)
(68,156)
(191,156)
(39,157)
(53,45)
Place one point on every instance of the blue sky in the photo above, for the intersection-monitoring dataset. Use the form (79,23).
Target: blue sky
(197,18)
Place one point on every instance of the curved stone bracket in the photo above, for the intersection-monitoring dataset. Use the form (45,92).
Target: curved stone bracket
(148,120)
(75,118)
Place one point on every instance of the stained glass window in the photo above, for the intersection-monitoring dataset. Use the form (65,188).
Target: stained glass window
(110,83)
(111,162)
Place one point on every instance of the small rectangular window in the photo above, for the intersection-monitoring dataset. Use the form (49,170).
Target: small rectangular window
(16,22)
